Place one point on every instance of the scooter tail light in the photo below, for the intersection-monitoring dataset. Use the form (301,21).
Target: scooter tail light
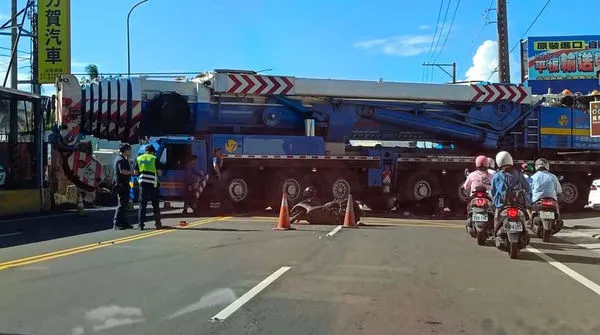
(480,202)
(548,203)
(512,212)
(480,195)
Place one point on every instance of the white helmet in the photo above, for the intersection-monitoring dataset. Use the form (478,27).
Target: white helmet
(503,158)
(491,164)
(542,163)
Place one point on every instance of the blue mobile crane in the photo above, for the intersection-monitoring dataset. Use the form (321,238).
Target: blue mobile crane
(257,136)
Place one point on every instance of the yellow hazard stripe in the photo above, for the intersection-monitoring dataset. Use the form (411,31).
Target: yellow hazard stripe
(564,131)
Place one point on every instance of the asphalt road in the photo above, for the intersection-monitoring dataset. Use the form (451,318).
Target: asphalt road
(224,275)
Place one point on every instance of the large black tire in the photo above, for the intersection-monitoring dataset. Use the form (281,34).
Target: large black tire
(291,183)
(574,195)
(420,186)
(546,236)
(240,191)
(537,227)
(513,250)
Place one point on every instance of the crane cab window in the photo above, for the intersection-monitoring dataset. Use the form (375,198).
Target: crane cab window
(174,155)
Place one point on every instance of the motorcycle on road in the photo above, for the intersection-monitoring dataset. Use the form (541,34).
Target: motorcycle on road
(545,222)
(512,235)
(481,216)
(315,212)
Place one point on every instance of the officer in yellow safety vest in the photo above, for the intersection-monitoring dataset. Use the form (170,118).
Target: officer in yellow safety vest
(146,168)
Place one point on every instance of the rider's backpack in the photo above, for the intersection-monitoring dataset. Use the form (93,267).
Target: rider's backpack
(513,191)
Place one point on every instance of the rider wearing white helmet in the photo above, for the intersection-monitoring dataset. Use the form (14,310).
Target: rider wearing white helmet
(508,177)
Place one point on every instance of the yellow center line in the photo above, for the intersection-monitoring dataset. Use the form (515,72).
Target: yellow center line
(102,244)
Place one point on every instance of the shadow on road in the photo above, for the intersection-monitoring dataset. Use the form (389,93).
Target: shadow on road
(558,247)
(529,256)
(44,228)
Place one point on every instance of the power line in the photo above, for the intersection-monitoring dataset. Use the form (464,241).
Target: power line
(448,32)
(441,32)
(437,24)
(523,35)
(485,24)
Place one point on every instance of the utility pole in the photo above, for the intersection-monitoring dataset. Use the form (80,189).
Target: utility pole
(503,56)
(442,67)
(14,41)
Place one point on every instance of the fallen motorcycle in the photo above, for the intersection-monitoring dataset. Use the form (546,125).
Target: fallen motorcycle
(315,212)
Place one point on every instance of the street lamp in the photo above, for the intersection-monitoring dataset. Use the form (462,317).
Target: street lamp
(128,52)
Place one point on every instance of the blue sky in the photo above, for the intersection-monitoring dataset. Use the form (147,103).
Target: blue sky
(325,38)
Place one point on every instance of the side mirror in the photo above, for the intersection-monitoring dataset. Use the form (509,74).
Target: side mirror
(561,178)
(467,172)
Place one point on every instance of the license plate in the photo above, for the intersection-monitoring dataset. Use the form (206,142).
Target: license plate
(476,217)
(513,226)
(547,215)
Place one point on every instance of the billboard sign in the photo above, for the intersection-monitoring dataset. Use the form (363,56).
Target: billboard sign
(595,118)
(562,58)
(53,40)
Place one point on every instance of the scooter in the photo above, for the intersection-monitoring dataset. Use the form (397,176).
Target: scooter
(481,216)
(512,235)
(545,221)
(314,211)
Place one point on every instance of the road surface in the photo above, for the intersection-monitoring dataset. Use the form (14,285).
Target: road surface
(235,275)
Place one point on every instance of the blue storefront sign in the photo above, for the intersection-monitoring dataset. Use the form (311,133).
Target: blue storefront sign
(559,62)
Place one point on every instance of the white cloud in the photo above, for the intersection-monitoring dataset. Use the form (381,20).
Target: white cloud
(424,27)
(485,61)
(406,45)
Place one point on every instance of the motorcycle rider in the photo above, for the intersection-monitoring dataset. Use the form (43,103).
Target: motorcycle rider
(480,177)
(528,170)
(545,184)
(509,178)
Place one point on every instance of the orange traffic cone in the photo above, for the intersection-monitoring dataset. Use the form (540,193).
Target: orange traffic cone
(284,216)
(349,219)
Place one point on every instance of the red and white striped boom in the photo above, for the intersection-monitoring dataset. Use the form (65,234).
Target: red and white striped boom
(254,84)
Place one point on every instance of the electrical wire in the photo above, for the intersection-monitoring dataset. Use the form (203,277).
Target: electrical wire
(523,35)
(437,24)
(485,24)
(448,32)
(440,36)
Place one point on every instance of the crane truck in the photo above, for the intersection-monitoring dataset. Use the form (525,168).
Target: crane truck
(258,135)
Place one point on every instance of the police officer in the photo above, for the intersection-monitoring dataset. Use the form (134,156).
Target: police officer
(146,168)
(122,176)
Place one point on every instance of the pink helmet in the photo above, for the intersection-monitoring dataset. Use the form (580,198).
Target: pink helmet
(481,161)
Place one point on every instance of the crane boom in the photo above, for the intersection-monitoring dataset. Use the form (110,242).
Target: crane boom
(254,84)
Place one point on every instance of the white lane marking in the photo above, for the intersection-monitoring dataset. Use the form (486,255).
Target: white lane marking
(334,231)
(567,270)
(11,234)
(234,306)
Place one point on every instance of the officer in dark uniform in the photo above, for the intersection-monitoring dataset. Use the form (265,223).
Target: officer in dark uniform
(147,169)
(121,179)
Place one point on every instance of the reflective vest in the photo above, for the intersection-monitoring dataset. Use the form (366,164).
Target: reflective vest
(146,165)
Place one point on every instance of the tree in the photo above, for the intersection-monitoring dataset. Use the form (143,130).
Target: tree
(92,71)
(92,74)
